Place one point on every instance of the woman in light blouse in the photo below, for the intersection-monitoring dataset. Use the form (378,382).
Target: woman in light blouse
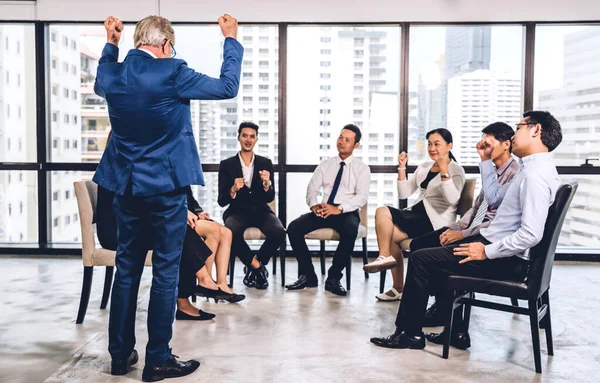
(440,183)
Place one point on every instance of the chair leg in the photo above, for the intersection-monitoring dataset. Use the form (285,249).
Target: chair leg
(274,260)
(548,323)
(108,277)
(322,253)
(365,255)
(231,269)
(86,288)
(514,302)
(381,281)
(348,273)
(448,328)
(535,334)
(282,266)
(467,313)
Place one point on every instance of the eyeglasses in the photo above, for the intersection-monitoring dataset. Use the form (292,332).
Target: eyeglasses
(173,53)
(524,123)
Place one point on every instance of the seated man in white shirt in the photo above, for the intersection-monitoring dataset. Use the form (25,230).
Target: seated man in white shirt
(345,183)
(500,251)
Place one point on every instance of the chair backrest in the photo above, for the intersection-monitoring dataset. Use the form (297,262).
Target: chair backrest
(86,193)
(364,218)
(466,197)
(542,254)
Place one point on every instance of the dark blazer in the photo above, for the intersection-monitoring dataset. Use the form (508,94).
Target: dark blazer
(152,146)
(193,205)
(248,200)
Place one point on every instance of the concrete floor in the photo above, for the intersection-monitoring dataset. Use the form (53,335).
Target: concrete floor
(278,336)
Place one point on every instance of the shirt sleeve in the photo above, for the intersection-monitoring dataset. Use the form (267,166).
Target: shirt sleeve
(494,192)
(314,186)
(535,198)
(361,188)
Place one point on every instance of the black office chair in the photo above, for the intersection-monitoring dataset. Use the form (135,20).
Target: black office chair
(534,290)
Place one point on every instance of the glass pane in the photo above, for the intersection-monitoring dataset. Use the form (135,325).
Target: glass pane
(339,76)
(79,119)
(64,214)
(18,207)
(583,218)
(567,84)
(462,78)
(17,93)
(382,192)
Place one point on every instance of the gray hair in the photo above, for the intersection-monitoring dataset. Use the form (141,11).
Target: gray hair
(152,31)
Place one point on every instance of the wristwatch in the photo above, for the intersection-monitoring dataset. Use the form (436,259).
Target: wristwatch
(267,185)
(445,176)
(341,208)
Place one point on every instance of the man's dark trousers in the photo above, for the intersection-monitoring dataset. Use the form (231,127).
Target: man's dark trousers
(159,223)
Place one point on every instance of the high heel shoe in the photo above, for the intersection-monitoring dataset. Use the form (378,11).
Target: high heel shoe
(233,298)
(202,291)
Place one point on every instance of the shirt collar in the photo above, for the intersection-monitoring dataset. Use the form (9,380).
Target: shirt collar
(348,160)
(242,161)
(502,169)
(147,51)
(532,159)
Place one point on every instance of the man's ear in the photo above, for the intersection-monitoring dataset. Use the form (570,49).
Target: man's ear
(537,130)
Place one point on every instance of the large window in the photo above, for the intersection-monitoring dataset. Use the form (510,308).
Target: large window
(462,78)
(338,76)
(80,117)
(567,84)
(79,122)
(215,123)
(17,93)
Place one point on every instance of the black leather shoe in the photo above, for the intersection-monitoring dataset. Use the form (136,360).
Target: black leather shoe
(180,315)
(335,287)
(249,277)
(401,340)
(460,340)
(261,276)
(170,368)
(121,367)
(433,317)
(303,282)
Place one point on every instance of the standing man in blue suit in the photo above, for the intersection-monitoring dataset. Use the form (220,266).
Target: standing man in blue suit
(148,162)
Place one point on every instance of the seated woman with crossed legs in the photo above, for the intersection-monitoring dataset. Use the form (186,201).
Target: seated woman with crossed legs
(440,183)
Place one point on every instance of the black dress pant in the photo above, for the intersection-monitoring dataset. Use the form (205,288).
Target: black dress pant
(193,257)
(431,239)
(270,226)
(345,224)
(426,274)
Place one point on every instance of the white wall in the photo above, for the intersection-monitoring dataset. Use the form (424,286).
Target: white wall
(307,10)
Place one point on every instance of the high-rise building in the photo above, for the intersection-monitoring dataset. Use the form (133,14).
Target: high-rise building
(476,99)
(576,105)
(467,49)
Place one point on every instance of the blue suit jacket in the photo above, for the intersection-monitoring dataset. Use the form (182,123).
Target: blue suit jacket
(153,145)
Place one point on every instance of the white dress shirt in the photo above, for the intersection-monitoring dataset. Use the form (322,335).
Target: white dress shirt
(248,171)
(353,191)
(147,51)
(520,219)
